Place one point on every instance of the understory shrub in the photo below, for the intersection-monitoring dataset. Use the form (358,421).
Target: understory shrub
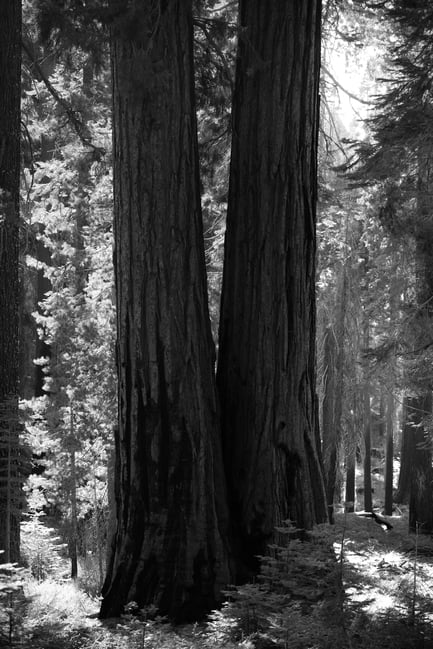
(12,603)
(41,549)
(296,602)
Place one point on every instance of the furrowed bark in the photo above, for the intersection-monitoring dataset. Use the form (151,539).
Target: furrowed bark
(10,80)
(169,547)
(266,359)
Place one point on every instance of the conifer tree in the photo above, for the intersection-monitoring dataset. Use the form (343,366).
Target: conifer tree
(400,157)
(10,78)
(266,376)
(169,547)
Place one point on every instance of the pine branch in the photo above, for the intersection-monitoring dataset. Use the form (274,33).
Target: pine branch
(217,49)
(72,115)
(347,92)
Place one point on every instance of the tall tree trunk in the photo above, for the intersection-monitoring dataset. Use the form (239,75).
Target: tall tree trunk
(406,455)
(421,492)
(329,435)
(266,369)
(333,399)
(389,454)
(350,494)
(73,523)
(10,84)
(394,290)
(169,547)
(368,501)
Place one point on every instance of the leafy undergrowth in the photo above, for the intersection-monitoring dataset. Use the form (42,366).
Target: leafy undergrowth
(349,586)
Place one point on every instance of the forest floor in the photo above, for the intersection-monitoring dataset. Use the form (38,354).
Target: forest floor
(384,600)
(388,583)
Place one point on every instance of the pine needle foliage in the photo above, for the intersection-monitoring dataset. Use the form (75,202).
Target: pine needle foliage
(12,603)
(296,601)
(41,549)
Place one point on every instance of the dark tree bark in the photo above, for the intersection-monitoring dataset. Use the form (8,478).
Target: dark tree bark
(266,374)
(333,398)
(329,433)
(368,500)
(169,547)
(366,405)
(406,455)
(71,444)
(421,492)
(10,85)
(389,401)
(350,494)
(389,454)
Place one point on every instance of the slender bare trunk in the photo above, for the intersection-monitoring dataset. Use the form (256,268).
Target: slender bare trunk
(350,494)
(368,500)
(329,433)
(406,455)
(389,454)
(421,495)
(333,399)
(73,539)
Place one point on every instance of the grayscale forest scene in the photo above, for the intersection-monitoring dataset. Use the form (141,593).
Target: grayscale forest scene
(216,324)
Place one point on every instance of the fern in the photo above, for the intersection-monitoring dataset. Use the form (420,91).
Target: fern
(296,601)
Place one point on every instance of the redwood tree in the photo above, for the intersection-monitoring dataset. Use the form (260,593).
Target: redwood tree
(10,80)
(266,360)
(169,544)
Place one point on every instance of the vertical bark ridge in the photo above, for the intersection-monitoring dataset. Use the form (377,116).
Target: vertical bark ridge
(10,79)
(266,361)
(170,544)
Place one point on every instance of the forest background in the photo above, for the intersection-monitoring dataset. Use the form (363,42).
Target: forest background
(373,280)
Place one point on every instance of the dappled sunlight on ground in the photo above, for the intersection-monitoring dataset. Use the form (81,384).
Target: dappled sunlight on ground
(385,573)
(386,601)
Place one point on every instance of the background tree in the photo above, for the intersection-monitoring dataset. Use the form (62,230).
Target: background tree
(169,546)
(215,38)
(398,159)
(351,296)
(265,373)
(68,364)
(10,475)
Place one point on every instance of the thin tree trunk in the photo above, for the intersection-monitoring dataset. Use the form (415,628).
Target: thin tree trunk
(329,443)
(406,455)
(169,548)
(368,501)
(266,369)
(350,494)
(10,78)
(390,402)
(333,399)
(421,493)
(73,538)
(389,454)
(73,541)
(72,523)
(101,530)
